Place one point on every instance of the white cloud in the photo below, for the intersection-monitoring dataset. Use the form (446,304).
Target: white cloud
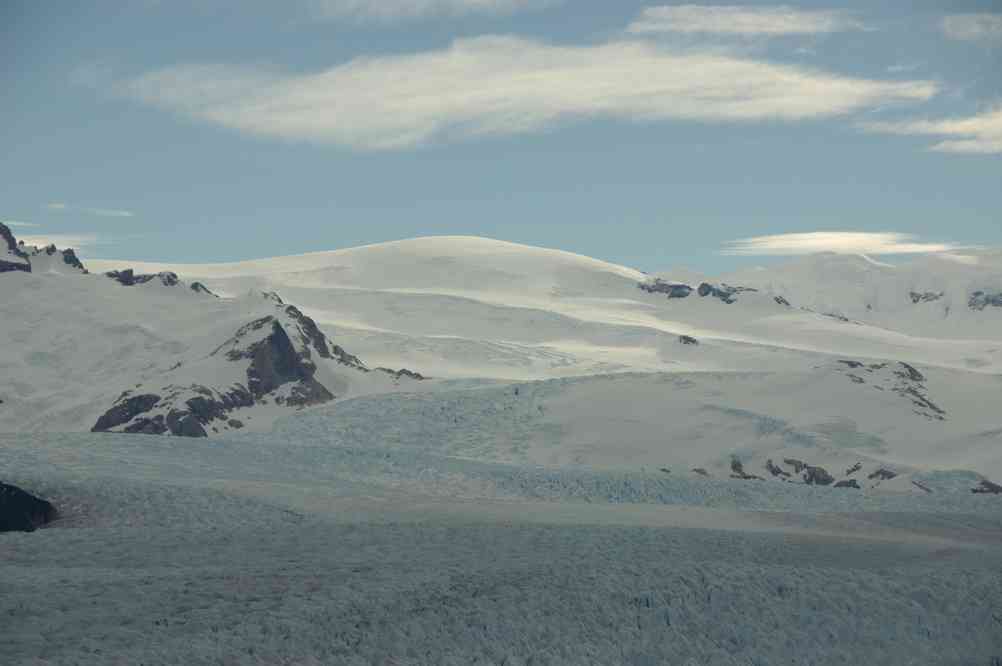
(507,85)
(386,10)
(848,242)
(761,21)
(973,27)
(61,241)
(14,223)
(978,134)
(109,212)
(100,212)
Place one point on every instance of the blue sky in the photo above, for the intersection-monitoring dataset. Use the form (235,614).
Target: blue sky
(643,133)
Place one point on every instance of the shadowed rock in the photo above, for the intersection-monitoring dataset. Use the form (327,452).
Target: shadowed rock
(672,289)
(980,300)
(882,474)
(14,251)
(125,410)
(817,476)
(200,288)
(128,278)
(688,340)
(20,511)
(848,483)
(988,488)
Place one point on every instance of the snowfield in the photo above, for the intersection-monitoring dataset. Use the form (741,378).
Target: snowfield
(600,467)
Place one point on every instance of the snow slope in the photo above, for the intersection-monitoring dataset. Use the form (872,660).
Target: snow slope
(477,307)
(74,345)
(802,361)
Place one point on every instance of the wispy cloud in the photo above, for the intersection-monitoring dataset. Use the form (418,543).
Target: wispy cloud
(761,21)
(973,27)
(100,212)
(978,134)
(61,240)
(507,85)
(848,242)
(391,10)
(15,223)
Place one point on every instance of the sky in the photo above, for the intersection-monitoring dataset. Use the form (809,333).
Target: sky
(647,134)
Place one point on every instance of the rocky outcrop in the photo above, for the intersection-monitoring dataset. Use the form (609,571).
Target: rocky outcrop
(12,257)
(274,362)
(882,474)
(20,511)
(688,340)
(725,292)
(70,259)
(986,487)
(775,469)
(782,301)
(797,465)
(404,372)
(200,288)
(855,468)
(672,289)
(980,300)
(848,483)
(738,471)
(900,378)
(817,476)
(128,278)
(925,296)
(125,409)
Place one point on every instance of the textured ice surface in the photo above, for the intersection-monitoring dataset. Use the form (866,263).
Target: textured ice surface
(298,550)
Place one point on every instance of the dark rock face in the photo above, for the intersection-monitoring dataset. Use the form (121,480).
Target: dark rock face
(855,468)
(8,241)
(817,476)
(782,301)
(775,469)
(184,424)
(274,361)
(738,471)
(980,300)
(125,410)
(410,374)
(724,292)
(687,340)
(848,483)
(701,471)
(21,511)
(147,426)
(200,288)
(797,465)
(312,336)
(988,488)
(70,259)
(883,474)
(127,278)
(908,372)
(925,296)
(672,289)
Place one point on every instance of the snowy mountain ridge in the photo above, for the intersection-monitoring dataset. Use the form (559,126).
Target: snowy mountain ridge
(147,353)
(731,375)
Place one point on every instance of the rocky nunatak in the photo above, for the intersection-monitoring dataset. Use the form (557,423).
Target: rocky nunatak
(275,358)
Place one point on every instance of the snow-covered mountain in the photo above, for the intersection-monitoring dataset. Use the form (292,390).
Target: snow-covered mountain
(834,362)
(149,353)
